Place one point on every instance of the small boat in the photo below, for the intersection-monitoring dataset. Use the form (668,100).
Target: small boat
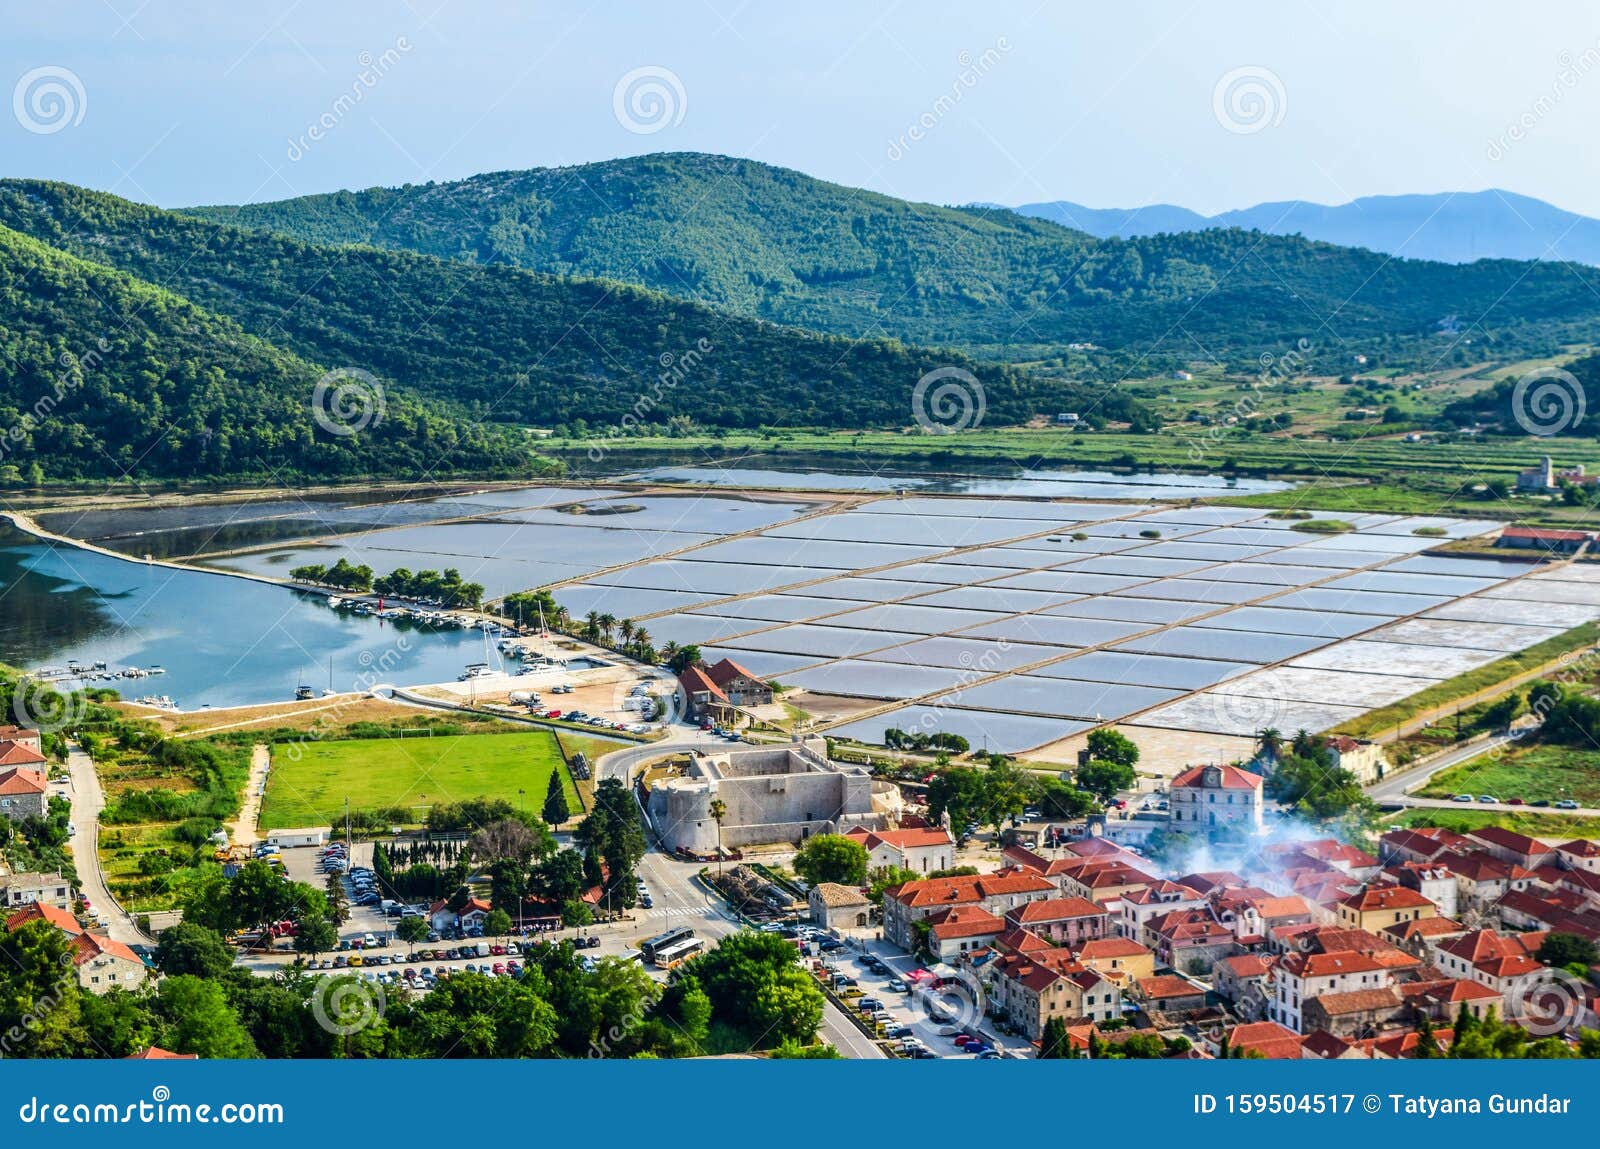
(475,670)
(304,694)
(158,669)
(335,601)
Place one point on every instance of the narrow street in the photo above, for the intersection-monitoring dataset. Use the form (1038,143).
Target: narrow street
(87,801)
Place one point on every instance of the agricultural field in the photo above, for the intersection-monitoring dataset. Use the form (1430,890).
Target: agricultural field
(1534,774)
(310,781)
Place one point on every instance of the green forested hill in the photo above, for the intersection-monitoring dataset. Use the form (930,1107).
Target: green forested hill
(512,345)
(772,243)
(105,376)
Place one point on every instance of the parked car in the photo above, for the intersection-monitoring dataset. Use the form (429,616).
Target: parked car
(1487,799)
(1461,797)
(1566,804)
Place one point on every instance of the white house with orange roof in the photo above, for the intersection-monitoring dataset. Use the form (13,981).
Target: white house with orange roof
(1209,799)
(922,850)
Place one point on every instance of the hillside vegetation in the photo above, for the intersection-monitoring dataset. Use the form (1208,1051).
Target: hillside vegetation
(509,345)
(105,376)
(777,244)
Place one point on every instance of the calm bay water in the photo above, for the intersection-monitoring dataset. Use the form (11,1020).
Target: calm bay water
(224,641)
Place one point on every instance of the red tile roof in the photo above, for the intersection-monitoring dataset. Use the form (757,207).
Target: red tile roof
(1357,1001)
(1231,778)
(727,670)
(967,888)
(965,922)
(1165,986)
(1330,964)
(901,839)
(39,911)
(16,754)
(1510,840)
(156,1053)
(87,946)
(1386,898)
(1102,948)
(1268,1038)
(19,780)
(1544,535)
(1053,910)
(696,681)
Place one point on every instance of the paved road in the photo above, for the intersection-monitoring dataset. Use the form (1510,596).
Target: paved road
(1394,788)
(88,799)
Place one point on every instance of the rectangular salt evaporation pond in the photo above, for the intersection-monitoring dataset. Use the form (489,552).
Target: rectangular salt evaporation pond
(1503,637)
(1137,530)
(983,729)
(1061,548)
(864,589)
(1243,716)
(1482,609)
(977,508)
(771,550)
(912,617)
(1208,552)
(1001,600)
(1279,574)
(1452,528)
(1358,602)
(1053,631)
(685,629)
(1367,541)
(952,573)
(1144,669)
(856,679)
(1201,589)
(982,655)
(1128,609)
(928,531)
(761,663)
(781,607)
(1068,581)
(1234,645)
(1134,565)
(622,601)
(1439,564)
(713,580)
(1061,697)
(1251,536)
(1205,516)
(1274,621)
(1383,580)
(829,641)
(1537,588)
(1367,657)
(1330,561)
(1298,684)
(698,512)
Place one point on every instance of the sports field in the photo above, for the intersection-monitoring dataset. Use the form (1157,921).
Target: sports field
(311,780)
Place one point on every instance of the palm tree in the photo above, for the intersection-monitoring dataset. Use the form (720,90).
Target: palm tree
(607,623)
(719,811)
(669,652)
(641,639)
(1269,742)
(626,628)
(591,624)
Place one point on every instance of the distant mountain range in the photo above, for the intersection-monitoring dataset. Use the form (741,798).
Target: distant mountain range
(1450,227)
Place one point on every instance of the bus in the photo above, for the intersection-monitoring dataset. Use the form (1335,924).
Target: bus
(667,957)
(661,941)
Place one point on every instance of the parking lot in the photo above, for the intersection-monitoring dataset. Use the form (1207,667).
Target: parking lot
(881,973)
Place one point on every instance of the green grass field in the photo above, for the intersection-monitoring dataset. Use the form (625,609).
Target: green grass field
(1535,823)
(311,780)
(1538,773)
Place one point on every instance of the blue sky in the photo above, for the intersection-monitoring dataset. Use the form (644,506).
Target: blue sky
(1108,105)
